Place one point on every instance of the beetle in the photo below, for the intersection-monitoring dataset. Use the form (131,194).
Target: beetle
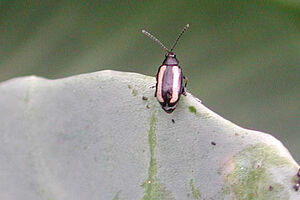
(170,81)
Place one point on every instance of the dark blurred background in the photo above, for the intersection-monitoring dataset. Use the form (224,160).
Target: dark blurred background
(242,58)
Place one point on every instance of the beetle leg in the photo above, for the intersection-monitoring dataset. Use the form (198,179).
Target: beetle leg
(184,91)
(151,87)
(185,79)
(297,186)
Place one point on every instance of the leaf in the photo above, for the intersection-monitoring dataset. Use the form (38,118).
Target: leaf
(96,136)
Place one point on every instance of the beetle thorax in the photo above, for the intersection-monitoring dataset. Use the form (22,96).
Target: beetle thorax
(170,59)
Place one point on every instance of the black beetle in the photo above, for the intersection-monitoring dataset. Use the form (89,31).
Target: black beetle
(170,81)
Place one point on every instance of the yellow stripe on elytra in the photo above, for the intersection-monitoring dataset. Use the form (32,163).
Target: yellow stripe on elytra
(159,83)
(176,84)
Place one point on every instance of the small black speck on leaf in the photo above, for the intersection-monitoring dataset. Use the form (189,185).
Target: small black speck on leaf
(271,188)
(296,187)
(173,121)
(145,98)
(148,106)
(213,143)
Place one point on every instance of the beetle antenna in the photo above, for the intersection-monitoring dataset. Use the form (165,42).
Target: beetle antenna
(179,36)
(155,39)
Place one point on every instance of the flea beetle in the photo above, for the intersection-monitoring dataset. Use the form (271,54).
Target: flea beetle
(170,81)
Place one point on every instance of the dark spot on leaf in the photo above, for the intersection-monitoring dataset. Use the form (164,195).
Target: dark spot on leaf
(271,188)
(213,143)
(258,166)
(148,106)
(145,98)
(173,121)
